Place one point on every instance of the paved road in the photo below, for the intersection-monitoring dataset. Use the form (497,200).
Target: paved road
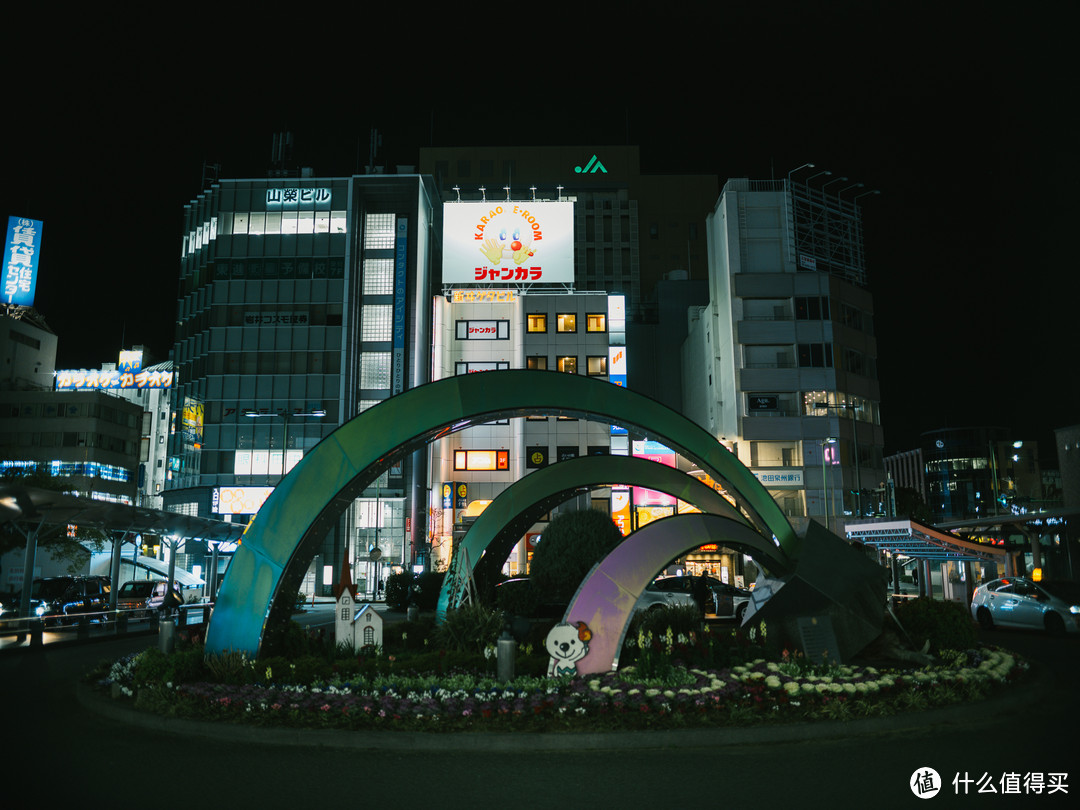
(65,751)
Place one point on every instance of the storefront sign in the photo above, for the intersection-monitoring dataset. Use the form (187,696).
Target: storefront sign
(780,479)
(483,296)
(297,196)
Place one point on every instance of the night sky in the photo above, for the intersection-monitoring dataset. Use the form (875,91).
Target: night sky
(962,121)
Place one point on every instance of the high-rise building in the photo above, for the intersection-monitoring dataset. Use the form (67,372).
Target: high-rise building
(302,301)
(781,366)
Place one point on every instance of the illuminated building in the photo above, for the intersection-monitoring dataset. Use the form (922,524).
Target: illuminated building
(478,330)
(783,358)
(303,301)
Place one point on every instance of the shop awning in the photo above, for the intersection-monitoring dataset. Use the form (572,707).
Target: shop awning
(911,539)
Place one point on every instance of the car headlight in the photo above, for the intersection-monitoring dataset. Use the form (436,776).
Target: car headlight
(40,610)
(1074,609)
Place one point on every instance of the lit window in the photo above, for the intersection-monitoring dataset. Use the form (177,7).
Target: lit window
(596,366)
(377,322)
(538,363)
(567,322)
(567,364)
(537,323)
(379,231)
(378,276)
(375,370)
(597,322)
(482,460)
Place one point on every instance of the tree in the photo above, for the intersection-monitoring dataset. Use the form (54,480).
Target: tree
(910,504)
(570,546)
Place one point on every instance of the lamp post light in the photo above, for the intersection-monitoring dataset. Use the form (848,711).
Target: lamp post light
(824,486)
(286,417)
(855,437)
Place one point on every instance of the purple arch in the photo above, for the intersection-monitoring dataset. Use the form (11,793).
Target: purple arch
(606,597)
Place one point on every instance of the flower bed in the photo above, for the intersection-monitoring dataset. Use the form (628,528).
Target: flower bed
(758,691)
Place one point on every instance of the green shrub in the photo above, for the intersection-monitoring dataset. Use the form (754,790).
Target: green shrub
(398,590)
(470,628)
(571,545)
(401,589)
(180,666)
(946,625)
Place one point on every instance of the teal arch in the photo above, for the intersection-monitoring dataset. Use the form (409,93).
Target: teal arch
(605,599)
(502,523)
(280,542)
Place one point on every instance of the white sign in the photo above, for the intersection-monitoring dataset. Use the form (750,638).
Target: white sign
(508,242)
(239,500)
(779,479)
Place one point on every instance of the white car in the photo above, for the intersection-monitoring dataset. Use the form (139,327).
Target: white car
(1019,602)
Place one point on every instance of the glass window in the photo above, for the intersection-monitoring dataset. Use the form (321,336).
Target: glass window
(537,323)
(537,363)
(240,223)
(378,276)
(256,223)
(596,322)
(596,365)
(305,222)
(567,322)
(379,231)
(377,322)
(375,370)
(567,364)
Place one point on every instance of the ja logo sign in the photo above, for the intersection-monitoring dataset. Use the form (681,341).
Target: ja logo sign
(925,783)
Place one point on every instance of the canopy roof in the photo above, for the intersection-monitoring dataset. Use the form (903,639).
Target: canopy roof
(913,539)
(50,508)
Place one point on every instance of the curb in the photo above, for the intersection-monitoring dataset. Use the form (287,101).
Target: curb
(986,713)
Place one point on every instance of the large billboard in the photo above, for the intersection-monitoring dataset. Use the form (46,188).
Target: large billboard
(21,251)
(508,242)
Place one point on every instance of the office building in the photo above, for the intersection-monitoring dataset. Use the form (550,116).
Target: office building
(303,301)
(780,366)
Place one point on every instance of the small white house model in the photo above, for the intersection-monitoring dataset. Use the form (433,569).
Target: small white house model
(357,627)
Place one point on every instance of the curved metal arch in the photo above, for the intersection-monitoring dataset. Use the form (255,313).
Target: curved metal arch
(605,599)
(279,543)
(490,539)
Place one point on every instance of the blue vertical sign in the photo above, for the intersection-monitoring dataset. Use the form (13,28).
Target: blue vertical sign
(401,254)
(21,251)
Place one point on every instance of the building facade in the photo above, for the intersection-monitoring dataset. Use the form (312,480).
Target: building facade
(781,365)
(630,228)
(303,301)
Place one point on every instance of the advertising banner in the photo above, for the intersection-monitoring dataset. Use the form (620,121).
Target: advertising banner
(524,242)
(21,251)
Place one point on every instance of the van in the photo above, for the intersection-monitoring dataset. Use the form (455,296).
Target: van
(147,597)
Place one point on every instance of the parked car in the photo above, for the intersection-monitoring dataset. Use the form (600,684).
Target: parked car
(148,597)
(664,592)
(728,602)
(61,600)
(513,595)
(1021,602)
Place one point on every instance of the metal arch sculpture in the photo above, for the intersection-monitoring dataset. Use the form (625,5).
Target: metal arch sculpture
(490,539)
(605,599)
(279,543)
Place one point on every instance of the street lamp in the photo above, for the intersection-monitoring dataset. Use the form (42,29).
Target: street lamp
(800,168)
(285,416)
(824,486)
(855,436)
(830,182)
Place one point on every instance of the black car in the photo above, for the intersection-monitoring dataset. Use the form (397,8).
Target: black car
(61,600)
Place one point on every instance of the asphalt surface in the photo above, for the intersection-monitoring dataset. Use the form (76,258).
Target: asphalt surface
(68,744)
